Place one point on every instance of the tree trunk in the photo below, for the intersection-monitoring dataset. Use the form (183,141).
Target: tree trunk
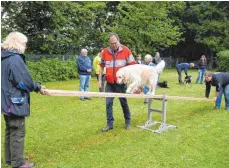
(210,63)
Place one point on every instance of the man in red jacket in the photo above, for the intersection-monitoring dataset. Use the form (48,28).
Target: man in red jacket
(113,58)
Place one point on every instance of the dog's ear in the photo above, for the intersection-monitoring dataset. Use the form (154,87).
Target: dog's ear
(126,77)
(119,73)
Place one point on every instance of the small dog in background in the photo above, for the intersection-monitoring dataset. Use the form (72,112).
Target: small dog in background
(187,79)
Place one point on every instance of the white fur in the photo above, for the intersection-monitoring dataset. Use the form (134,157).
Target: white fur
(137,75)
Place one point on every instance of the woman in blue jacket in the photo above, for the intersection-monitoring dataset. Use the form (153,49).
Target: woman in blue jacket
(16,85)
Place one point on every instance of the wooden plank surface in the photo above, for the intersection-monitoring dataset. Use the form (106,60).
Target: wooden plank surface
(105,94)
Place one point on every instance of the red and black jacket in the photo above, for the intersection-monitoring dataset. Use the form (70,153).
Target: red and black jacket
(113,61)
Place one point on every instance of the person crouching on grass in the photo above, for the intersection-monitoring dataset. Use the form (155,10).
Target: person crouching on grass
(183,67)
(221,81)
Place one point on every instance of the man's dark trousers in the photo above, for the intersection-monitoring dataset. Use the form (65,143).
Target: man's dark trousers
(116,88)
(14,140)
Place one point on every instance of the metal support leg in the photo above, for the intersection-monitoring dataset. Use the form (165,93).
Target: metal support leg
(150,122)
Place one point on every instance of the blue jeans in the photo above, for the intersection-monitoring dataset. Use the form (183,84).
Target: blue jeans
(116,88)
(219,99)
(145,89)
(226,95)
(201,75)
(84,83)
(225,91)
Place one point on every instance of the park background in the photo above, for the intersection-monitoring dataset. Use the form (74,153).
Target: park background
(65,132)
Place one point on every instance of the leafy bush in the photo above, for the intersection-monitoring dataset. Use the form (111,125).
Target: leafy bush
(49,70)
(223,61)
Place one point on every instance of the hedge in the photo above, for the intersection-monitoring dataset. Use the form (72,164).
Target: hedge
(49,70)
(223,61)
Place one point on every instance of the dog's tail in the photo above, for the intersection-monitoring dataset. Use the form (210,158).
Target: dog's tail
(160,66)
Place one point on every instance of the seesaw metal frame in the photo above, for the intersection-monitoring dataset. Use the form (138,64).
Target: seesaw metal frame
(150,122)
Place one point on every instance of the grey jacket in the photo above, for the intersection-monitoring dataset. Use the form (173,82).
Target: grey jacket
(16,84)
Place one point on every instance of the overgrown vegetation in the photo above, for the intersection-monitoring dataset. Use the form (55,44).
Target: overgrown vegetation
(223,61)
(64,132)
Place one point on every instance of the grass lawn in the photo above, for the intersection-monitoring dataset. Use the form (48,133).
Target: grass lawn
(64,132)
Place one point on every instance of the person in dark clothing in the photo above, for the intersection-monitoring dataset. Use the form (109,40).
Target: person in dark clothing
(221,81)
(202,64)
(16,85)
(113,58)
(156,58)
(183,66)
(84,65)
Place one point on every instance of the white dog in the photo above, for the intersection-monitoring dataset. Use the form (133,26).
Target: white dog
(137,75)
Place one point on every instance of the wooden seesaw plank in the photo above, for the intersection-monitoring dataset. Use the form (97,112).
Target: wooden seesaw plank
(106,94)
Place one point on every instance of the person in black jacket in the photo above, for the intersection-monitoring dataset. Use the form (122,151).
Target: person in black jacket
(16,85)
(221,81)
(202,64)
(156,59)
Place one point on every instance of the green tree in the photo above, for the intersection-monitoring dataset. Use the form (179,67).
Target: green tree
(145,26)
(208,23)
(30,18)
(56,27)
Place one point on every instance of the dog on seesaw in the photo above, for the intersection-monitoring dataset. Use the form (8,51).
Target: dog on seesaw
(138,75)
(187,79)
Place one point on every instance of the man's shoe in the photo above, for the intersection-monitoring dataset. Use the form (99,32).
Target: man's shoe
(217,107)
(82,99)
(227,108)
(27,165)
(181,83)
(107,128)
(127,126)
(88,98)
